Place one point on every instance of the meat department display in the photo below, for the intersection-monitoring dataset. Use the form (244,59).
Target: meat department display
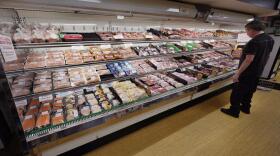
(87,81)
(66,107)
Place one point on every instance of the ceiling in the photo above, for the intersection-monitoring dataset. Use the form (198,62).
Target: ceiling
(235,5)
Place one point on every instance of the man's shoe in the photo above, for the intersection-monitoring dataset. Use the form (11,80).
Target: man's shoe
(230,112)
(245,110)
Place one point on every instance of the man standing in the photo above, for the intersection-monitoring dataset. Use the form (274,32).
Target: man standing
(252,62)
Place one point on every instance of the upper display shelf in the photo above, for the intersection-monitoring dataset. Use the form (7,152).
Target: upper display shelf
(36,35)
(29,60)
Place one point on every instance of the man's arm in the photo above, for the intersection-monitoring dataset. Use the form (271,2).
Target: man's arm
(248,60)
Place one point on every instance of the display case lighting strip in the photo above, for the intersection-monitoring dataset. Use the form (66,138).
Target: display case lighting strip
(82,120)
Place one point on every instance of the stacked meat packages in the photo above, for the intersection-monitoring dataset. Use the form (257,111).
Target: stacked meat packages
(157,83)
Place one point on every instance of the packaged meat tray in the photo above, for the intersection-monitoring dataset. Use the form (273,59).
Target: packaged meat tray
(105,36)
(146,50)
(58,104)
(20,91)
(32,110)
(28,123)
(128,91)
(45,107)
(72,114)
(58,118)
(183,77)
(85,110)
(72,37)
(43,120)
(22,35)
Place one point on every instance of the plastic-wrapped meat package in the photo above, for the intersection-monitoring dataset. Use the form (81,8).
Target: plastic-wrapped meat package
(43,120)
(28,123)
(81,99)
(17,64)
(55,58)
(35,59)
(73,57)
(105,35)
(14,65)
(126,52)
(61,79)
(51,34)
(85,110)
(90,75)
(32,110)
(133,35)
(71,114)
(42,82)
(128,91)
(141,51)
(38,34)
(95,51)
(22,35)
(58,118)
(57,104)
(45,107)
(163,63)
(87,56)
(76,76)
(21,85)
(69,102)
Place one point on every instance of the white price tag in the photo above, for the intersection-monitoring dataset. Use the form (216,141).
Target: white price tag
(45,98)
(149,36)
(7,48)
(21,103)
(118,36)
(128,45)
(183,42)
(58,114)
(28,117)
(45,113)
(59,111)
(105,46)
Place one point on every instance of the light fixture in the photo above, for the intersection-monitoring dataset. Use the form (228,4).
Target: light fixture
(250,19)
(173,10)
(120,17)
(91,1)
(212,23)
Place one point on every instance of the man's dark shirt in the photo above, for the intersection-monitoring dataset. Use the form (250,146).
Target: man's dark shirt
(260,46)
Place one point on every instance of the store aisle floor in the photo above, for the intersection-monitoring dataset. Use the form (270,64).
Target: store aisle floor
(204,130)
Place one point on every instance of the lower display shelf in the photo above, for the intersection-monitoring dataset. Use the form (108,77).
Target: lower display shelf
(49,130)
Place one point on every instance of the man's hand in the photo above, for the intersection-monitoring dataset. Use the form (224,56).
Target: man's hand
(235,77)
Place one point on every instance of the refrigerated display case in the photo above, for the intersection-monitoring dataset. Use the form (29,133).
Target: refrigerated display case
(59,81)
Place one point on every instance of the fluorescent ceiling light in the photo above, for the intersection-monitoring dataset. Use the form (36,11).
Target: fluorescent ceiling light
(250,19)
(173,10)
(91,1)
